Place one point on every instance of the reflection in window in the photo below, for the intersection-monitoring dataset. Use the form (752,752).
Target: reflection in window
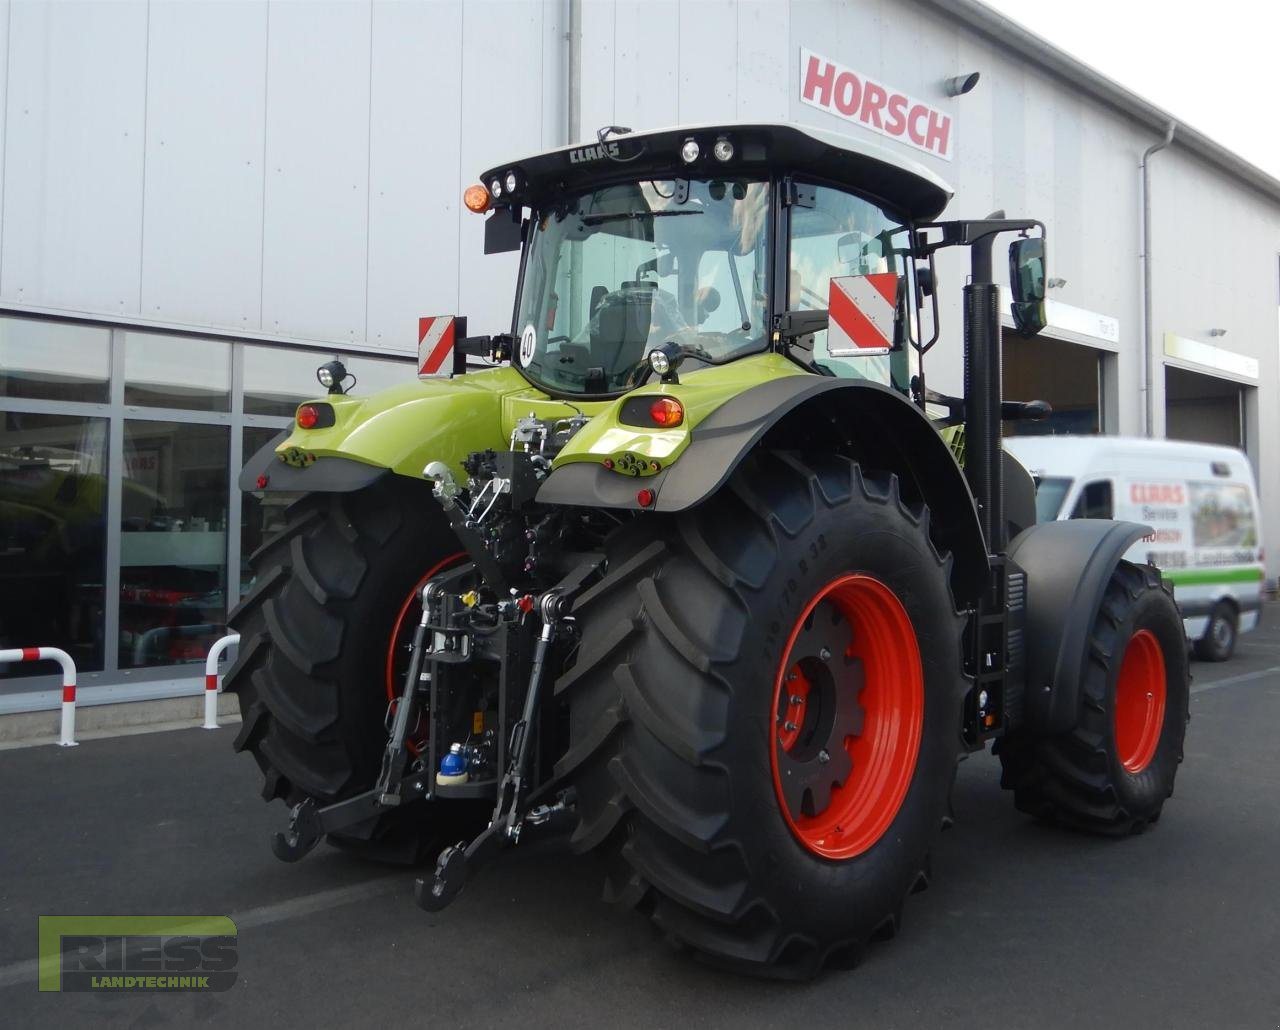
(841,234)
(262,516)
(277,380)
(173,544)
(57,361)
(53,498)
(374,374)
(177,372)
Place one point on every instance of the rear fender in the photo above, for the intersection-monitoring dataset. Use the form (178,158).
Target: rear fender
(872,424)
(1068,565)
(397,430)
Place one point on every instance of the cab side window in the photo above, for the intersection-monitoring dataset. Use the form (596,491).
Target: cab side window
(839,234)
(1095,501)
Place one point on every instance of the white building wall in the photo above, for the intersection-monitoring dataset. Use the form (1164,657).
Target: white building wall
(295,169)
(284,168)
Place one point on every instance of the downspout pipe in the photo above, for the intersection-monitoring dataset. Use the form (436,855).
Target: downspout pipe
(574,36)
(1148,359)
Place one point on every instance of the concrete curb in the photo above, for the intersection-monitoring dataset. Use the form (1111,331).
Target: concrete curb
(27,729)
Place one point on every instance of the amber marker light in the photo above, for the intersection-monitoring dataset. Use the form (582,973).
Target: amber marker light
(476,197)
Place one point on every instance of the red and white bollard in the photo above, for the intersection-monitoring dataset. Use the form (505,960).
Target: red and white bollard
(211,679)
(53,654)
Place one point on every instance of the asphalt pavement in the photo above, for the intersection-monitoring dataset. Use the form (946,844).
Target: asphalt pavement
(1025,925)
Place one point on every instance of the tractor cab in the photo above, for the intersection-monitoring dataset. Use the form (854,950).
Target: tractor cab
(705,238)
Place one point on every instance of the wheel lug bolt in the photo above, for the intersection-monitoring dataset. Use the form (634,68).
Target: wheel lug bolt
(792,677)
(790,727)
(825,654)
(823,756)
(796,699)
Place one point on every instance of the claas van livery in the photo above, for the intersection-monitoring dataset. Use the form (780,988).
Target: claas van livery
(1200,500)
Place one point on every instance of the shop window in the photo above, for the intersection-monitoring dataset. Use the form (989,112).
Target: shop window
(173,542)
(55,361)
(53,498)
(177,372)
(1095,501)
(278,379)
(262,516)
(374,374)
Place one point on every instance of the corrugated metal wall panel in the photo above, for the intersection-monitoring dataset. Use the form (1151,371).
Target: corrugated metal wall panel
(708,47)
(206,124)
(646,84)
(502,119)
(413,166)
(76,111)
(315,226)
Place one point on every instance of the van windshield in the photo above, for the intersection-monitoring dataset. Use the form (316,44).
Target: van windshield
(617,271)
(1050,492)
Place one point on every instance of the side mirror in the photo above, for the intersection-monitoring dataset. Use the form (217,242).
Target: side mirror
(1027,278)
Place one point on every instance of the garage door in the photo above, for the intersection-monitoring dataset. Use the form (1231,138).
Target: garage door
(1203,408)
(1067,375)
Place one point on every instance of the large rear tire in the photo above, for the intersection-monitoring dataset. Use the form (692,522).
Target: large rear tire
(800,579)
(1112,773)
(317,628)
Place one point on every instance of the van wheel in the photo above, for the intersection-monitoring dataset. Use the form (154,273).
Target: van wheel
(1219,640)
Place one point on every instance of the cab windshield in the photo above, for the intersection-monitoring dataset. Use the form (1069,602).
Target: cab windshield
(615,272)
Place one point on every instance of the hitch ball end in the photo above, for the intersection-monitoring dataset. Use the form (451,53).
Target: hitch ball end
(446,487)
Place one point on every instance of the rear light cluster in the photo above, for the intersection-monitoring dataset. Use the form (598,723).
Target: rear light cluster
(652,412)
(315,416)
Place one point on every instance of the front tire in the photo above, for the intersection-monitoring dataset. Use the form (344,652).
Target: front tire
(681,714)
(1112,773)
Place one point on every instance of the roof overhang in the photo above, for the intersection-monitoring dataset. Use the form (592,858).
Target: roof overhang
(906,187)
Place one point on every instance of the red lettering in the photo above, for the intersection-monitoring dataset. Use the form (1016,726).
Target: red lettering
(848,89)
(897,115)
(873,99)
(1157,493)
(939,132)
(816,79)
(913,124)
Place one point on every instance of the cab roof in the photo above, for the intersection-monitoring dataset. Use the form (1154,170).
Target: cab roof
(904,185)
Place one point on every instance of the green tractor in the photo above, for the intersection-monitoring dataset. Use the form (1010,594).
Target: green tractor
(696,566)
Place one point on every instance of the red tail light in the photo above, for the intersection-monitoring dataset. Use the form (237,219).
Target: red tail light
(308,416)
(666,412)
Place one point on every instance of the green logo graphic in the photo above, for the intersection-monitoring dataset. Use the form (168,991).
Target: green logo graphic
(137,953)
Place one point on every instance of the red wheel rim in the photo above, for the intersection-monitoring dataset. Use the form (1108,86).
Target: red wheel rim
(848,705)
(1140,701)
(402,630)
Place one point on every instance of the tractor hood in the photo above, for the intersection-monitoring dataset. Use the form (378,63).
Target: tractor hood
(905,185)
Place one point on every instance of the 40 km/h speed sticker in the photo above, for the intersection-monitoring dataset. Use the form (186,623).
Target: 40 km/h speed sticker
(528,343)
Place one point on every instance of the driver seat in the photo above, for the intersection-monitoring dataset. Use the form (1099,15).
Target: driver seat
(620,331)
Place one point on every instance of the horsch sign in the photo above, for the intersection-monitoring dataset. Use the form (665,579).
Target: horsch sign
(847,94)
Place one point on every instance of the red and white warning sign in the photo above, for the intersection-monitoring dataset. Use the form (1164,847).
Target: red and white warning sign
(436,337)
(861,312)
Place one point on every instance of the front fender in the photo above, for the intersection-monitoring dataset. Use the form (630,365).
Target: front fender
(1068,565)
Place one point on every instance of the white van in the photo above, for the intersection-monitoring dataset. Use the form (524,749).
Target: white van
(1200,501)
